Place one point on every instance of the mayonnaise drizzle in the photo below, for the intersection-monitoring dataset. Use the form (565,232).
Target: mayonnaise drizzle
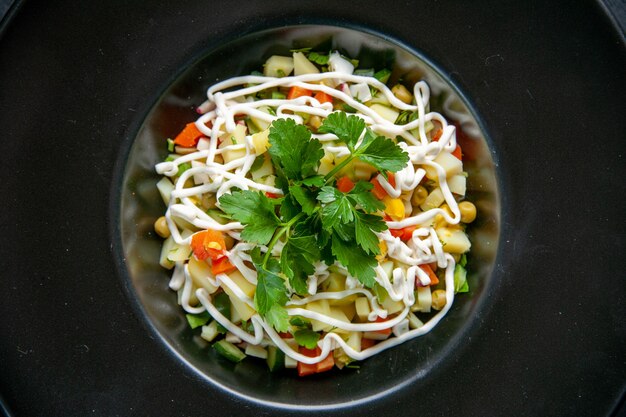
(228,99)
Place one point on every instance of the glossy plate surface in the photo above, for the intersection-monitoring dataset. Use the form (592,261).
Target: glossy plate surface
(548,338)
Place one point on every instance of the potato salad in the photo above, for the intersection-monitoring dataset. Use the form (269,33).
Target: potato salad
(315,213)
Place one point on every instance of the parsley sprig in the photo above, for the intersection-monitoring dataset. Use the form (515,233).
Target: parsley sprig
(313,220)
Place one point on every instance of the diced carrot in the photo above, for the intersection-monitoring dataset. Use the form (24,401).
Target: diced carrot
(208,244)
(458,153)
(345,184)
(383,331)
(378,189)
(326,364)
(189,136)
(405,234)
(222,266)
(437,135)
(433,277)
(367,343)
(271,195)
(322,97)
(305,369)
(295,92)
(285,335)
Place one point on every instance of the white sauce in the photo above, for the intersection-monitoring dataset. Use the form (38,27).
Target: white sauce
(220,109)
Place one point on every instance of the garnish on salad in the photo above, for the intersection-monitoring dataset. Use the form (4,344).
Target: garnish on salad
(315,216)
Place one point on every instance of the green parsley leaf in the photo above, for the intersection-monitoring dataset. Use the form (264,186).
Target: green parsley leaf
(294,150)
(278,318)
(297,258)
(299,321)
(383,154)
(365,226)
(307,338)
(270,290)
(356,260)
(258,162)
(314,181)
(336,208)
(347,128)
(255,211)
(289,208)
(361,195)
(304,197)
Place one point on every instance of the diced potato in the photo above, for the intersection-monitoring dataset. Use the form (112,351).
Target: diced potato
(302,65)
(322,307)
(200,272)
(354,340)
(260,123)
(450,164)
(245,286)
(434,200)
(423,300)
(349,309)
(385,112)
(165,188)
(402,93)
(234,314)
(362,170)
(362,306)
(457,184)
(209,332)
(278,66)
(338,314)
(168,244)
(269,180)
(391,306)
(256,351)
(388,268)
(266,169)
(343,301)
(454,240)
(326,164)
(335,282)
(236,137)
(261,141)
(414,322)
(179,253)
(244,311)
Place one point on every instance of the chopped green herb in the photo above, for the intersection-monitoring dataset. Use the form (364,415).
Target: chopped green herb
(320,59)
(170,145)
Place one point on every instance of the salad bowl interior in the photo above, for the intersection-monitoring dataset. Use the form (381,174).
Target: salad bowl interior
(140,205)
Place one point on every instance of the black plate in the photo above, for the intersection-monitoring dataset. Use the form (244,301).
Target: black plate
(547,82)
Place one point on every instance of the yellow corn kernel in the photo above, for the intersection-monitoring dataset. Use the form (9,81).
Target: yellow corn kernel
(394,207)
(160,226)
(383,251)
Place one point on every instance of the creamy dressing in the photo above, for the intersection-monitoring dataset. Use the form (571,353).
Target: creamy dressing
(225,101)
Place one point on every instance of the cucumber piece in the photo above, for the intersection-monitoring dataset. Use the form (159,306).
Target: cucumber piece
(222,303)
(275,358)
(218,215)
(229,351)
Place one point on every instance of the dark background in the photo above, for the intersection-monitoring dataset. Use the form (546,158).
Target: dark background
(548,80)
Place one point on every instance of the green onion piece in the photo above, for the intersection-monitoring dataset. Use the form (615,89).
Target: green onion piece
(277,95)
(170,145)
(197,320)
(383,75)
(318,58)
(183,167)
(369,72)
